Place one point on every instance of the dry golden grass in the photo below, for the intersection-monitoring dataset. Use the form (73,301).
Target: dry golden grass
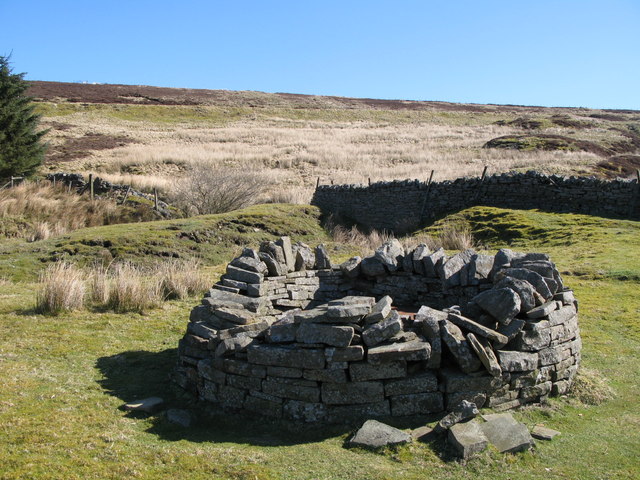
(40,211)
(181,278)
(62,288)
(292,154)
(133,290)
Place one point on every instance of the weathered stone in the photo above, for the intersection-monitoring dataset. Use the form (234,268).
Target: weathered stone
(465,410)
(510,331)
(233,345)
(352,393)
(543,310)
(544,433)
(207,369)
(433,262)
(237,316)
(351,268)
(289,259)
(534,339)
(506,434)
(284,372)
(536,391)
(503,304)
(179,417)
(459,347)
(480,268)
(250,263)
(524,289)
(147,405)
(286,356)
(409,351)
(485,354)
(416,403)
(304,411)
(364,371)
(336,336)
(274,268)
(244,275)
(351,311)
(467,439)
(275,251)
(280,388)
(389,254)
(323,262)
(422,434)
(282,331)
(423,382)
(202,330)
(427,322)
(346,414)
(252,330)
(455,381)
(563,315)
(358,300)
(514,361)
(305,259)
(352,353)
(241,367)
(219,298)
(417,258)
(374,434)
(240,286)
(407,261)
(383,330)
(372,267)
(476,328)
(450,271)
(327,375)
(380,310)
(245,383)
(231,397)
(455,398)
(533,278)
(263,406)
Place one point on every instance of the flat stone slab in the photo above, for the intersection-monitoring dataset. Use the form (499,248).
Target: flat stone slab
(409,351)
(335,336)
(379,332)
(459,347)
(465,410)
(467,439)
(148,405)
(179,417)
(507,434)
(544,433)
(485,353)
(374,434)
(476,328)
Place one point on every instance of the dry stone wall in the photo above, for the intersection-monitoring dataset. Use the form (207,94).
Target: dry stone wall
(402,206)
(289,335)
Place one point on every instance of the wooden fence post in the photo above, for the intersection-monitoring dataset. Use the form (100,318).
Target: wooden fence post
(91,185)
(317,183)
(126,194)
(426,195)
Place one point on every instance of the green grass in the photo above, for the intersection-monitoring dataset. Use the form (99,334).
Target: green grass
(63,379)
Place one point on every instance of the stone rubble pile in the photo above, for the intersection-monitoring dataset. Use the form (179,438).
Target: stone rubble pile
(287,334)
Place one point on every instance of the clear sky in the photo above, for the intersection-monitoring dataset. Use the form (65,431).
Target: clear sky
(581,53)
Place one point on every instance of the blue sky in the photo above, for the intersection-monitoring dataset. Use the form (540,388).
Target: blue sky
(553,53)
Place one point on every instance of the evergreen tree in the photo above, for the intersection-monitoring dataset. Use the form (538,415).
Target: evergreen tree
(21,146)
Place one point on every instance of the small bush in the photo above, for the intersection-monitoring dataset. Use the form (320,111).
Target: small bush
(591,388)
(209,190)
(62,288)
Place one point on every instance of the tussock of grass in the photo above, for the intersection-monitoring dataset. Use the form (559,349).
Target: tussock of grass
(591,388)
(62,289)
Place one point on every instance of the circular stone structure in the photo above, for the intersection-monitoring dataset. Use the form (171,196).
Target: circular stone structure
(287,334)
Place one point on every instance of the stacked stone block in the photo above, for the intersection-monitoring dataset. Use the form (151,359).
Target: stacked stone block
(281,337)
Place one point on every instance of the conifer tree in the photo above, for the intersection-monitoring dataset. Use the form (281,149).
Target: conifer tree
(21,146)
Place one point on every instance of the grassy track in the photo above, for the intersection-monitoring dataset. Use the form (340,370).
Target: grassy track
(63,379)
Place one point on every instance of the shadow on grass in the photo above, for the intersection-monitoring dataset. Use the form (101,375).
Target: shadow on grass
(135,375)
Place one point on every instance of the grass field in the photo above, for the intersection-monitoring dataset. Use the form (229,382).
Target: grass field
(63,379)
(292,141)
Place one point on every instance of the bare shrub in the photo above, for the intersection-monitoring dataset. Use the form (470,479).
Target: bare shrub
(131,290)
(100,281)
(216,190)
(289,194)
(367,242)
(181,278)
(455,236)
(61,288)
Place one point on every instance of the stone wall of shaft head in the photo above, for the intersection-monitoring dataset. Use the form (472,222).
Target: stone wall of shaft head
(287,334)
(402,206)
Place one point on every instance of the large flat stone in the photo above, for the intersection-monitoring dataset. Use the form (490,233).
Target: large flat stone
(524,289)
(380,310)
(286,357)
(389,254)
(467,439)
(364,371)
(242,275)
(450,271)
(381,331)
(352,393)
(335,336)
(514,361)
(374,434)
(477,328)
(506,434)
(290,260)
(409,351)
(485,353)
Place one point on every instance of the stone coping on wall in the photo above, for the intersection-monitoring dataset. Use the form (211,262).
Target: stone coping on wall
(287,334)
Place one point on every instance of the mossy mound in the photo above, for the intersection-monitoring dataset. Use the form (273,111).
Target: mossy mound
(546,142)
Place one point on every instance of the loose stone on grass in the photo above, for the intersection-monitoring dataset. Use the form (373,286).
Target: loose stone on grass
(374,434)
